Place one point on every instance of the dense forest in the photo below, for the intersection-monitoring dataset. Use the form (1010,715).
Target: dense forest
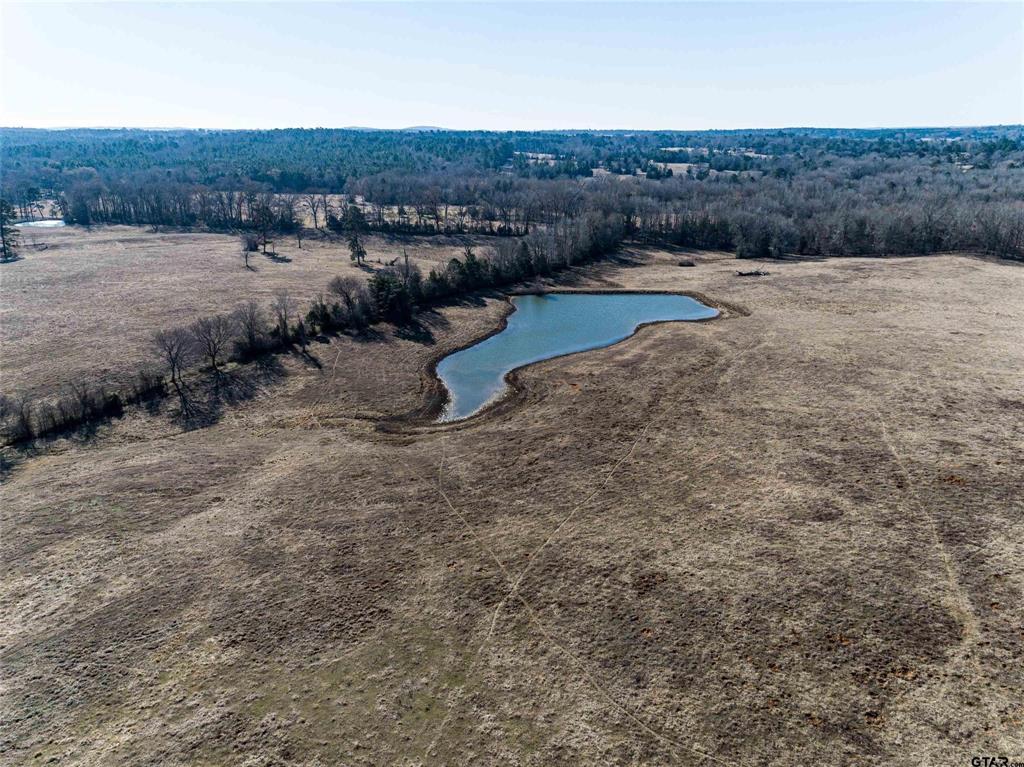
(764,193)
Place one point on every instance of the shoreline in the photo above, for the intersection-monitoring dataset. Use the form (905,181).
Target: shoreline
(437,394)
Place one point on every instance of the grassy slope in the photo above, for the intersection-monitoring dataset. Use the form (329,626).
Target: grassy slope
(793,535)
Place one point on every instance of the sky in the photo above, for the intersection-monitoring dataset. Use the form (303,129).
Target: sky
(510,66)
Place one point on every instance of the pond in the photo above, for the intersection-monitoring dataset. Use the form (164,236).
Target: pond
(46,223)
(551,325)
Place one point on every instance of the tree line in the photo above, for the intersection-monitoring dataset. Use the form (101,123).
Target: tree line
(761,194)
(206,348)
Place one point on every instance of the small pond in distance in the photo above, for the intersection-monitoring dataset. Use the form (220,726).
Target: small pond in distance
(46,223)
(551,325)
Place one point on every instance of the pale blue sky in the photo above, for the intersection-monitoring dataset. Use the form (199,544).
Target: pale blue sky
(505,66)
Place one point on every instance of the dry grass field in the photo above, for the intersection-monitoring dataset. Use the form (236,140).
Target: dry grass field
(790,535)
(83,304)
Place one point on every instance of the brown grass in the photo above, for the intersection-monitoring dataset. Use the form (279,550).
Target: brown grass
(728,542)
(83,304)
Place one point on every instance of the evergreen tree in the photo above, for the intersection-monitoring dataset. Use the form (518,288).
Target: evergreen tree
(355,248)
(9,234)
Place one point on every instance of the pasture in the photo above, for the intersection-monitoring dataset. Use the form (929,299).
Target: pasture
(788,535)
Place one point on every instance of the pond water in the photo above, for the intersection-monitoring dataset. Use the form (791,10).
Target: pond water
(546,326)
(46,223)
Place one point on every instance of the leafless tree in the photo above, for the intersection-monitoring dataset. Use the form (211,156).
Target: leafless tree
(249,243)
(313,202)
(16,418)
(284,308)
(347,289)
(263,217)
(21,420)
(212,336)
(252,326)
(82,398)
(325,206)
(302,336)
(355,297)
(176,348)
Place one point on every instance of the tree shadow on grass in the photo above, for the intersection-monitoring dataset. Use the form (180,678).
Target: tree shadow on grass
(310,359)
(369,336)
(8,461)
(417,331)
(602,272)
(204,402)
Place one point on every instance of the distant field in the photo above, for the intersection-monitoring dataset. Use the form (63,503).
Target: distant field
(85,303)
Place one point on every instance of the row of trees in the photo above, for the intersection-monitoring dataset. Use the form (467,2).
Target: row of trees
(814,191)
(866,205)
(205,348)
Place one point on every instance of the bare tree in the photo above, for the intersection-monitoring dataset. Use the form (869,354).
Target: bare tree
(253,326)
(284,308)
(176,348)
(249,243)
(313,201)
(348,290)
(302,336)
(212,336)
(81,396)
(325,206)
(16,418)
(356,298)
(263,218)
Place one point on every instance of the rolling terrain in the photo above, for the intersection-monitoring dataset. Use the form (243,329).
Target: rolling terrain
(791,534)
(86,302)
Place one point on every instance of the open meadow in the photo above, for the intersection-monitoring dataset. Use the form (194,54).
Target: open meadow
(505,384)
(84,303)
(792,534)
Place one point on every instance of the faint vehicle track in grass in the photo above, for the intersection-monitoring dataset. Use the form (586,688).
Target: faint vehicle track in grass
(535,620)
(724,366)
(957,601)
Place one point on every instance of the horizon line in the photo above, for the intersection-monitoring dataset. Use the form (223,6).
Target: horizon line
(442,129)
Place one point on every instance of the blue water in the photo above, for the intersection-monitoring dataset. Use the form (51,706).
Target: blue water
(542,327)
(46,223)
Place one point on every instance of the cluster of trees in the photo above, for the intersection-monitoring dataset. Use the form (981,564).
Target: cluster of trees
(81,404)
(760,193)
(899,210)
(393,293)
(489,205)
